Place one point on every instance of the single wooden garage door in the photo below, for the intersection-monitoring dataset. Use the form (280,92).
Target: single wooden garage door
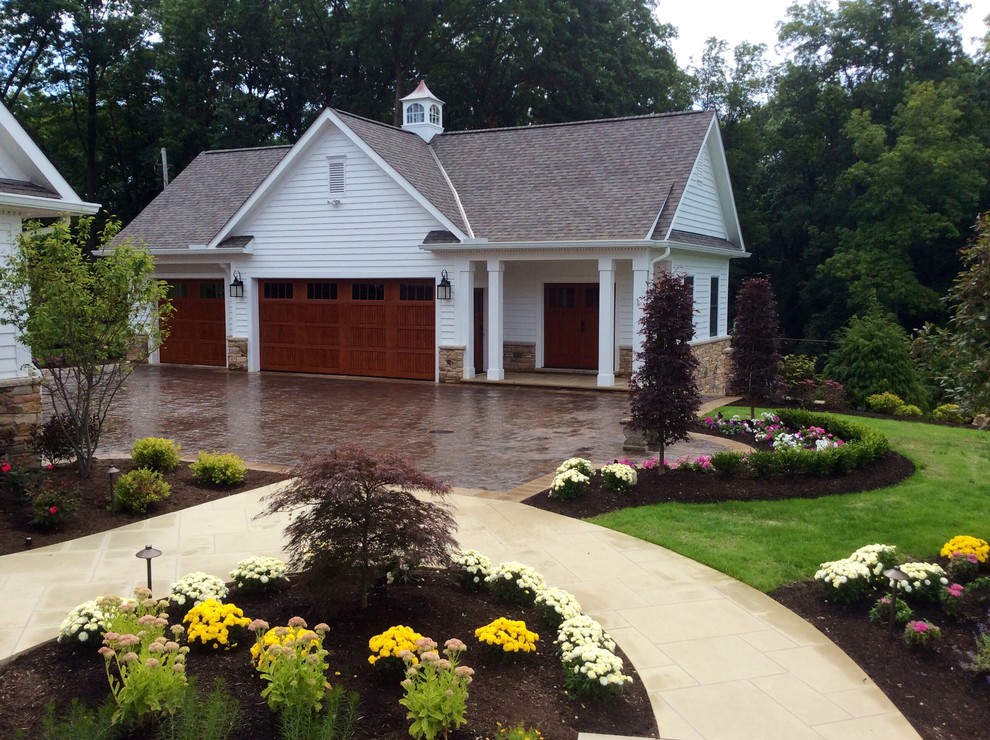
(381,328)
(197,332)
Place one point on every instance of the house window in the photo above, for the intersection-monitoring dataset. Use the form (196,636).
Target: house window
(211,291)
(561,296)
(713,309)
(415,291)
(435,114)
(176,290)
(321,291)
(415,113)
(368,291)
(278,291)
(335,172)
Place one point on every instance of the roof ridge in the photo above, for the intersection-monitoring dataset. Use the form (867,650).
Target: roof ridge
(389,126)
(589,121)
(246,149)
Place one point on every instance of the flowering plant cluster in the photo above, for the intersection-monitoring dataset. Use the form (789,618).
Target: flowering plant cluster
(507,636)
(846,580)
(809,438)
(472,566)
(195,588)
(260,574)
(292,661)
(880,611)
(436,689)
(515,582)
(963,567)
(877,558)
(699,464)
(88,620)
(591,667)
(517,732)
(576,463)
(146,670)
(51,502)
(964,544)
(764,427)
(215,625)
(921,632)
(925,580)
(569,484)
(952,598)
(557,605)
(386,647)
(618,476)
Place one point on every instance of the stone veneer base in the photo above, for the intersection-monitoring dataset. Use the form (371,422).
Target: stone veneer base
(237,353)
(20,414)
(451,364)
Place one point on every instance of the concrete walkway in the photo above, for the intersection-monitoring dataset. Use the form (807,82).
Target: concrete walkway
(719,659)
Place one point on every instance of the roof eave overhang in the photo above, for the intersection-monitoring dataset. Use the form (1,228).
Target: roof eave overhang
(580,244)
(38,207)
(196,254)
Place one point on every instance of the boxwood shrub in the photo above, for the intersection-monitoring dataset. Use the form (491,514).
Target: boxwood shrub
(219,469)
(156,453)
(134,491)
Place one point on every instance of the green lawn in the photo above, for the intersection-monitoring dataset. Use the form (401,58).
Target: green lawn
(771,543)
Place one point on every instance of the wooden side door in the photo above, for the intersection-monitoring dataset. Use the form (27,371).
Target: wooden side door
(570,317)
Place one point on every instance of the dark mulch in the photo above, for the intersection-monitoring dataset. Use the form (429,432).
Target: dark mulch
(528,689)
(930,687)
(93,515)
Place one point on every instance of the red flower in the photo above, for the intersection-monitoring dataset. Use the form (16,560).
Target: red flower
(53,510)
(5,467)
(49,466)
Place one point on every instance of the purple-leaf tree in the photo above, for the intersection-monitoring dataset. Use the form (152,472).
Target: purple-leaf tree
(754,366)
(663,391)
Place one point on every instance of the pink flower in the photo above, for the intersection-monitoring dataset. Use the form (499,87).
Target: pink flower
(53,510)
(49,466)
(5,467)
(956,590)
(919,626)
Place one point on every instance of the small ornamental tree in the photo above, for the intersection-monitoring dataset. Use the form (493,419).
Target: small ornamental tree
(87,322)
(356,518)
(754,369)
(872,355)
(663,391)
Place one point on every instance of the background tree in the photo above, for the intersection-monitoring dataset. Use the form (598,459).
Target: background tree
(957,357)
(356,517)
(873,356)
(754,365)
(81,319)
(663,391)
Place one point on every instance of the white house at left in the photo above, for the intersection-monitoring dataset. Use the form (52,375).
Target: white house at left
(30,187)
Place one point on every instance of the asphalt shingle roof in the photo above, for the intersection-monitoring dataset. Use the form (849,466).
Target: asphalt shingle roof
(23,187)
(202,199)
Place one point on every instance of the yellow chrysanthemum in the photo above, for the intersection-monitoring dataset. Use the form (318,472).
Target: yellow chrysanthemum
(964,544)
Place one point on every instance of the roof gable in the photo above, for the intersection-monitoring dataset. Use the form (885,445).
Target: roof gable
(28,180)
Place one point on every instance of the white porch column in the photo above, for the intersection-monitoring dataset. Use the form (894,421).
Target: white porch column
(496,328)
(606,321)
(464,303)
(640,282)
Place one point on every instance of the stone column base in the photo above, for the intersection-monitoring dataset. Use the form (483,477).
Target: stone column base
(20,414)
(519,357)
(451,364)
(713,362)
(237,353)
(625,362)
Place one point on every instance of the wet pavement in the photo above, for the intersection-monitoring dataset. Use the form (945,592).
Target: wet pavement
(469,435)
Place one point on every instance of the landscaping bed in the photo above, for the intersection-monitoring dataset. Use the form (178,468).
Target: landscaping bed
(524,689)
(93,516)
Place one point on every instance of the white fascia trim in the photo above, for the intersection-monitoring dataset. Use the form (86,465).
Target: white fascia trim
(198,254)
(653,226)
(550,245)
(457,198)
(34,205)
(724,181)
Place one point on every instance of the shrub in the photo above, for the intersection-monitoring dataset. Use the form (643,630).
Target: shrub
(138,489)
(795,368)
(921,633)
(754,363)
(569,484)
(156,453)
(507,636)
(980,658)
(884,403)
(51,502)
(52,441)
(880,611)
(216,625)
(951,412)
(355,513)
(618,477)
(872,356)
(259,574)
(834,394)
(219,469)
(729,464)
(907,410)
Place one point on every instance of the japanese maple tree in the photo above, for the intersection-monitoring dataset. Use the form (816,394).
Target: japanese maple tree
(754,367)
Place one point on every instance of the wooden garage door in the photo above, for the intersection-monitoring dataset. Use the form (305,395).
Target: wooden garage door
(382,328)
(197,333)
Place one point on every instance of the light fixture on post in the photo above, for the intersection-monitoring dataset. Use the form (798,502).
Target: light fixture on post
(148,554)
(112,474)
(896,575)
(237,286)
(443,289)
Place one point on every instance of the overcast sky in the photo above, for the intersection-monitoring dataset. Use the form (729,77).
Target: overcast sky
(756,21)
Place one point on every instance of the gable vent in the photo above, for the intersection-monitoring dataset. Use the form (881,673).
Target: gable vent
(335,170)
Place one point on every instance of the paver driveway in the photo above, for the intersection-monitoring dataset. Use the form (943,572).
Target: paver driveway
(472,436)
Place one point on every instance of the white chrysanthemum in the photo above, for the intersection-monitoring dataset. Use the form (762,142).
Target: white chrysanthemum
(259,571)
(560,601)
(571,476)
(474,563)
(838,573)
(197,587)
(624,475)
(596,664)
(576,463)
(525,578)
(925,578)
(876,558)
(582,630)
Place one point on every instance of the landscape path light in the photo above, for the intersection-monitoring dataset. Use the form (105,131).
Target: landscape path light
(148,554)
(896,575)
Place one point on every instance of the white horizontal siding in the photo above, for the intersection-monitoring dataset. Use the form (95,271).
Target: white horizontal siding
(13,354)
(9,168)
(702,268)
(700,209)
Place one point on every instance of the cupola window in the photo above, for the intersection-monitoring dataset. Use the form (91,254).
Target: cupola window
(415,113)
(435,114)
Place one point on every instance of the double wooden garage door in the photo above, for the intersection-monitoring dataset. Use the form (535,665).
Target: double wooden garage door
(383,328)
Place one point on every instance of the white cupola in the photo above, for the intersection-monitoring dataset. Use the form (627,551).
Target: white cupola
(422,113)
